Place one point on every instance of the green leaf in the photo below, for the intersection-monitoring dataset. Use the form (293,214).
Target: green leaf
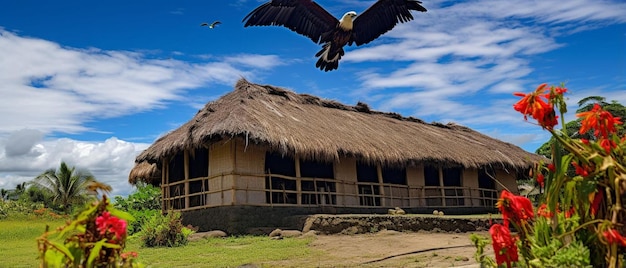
(111,245)
(60,247)
(95,252)
(120,214)
(53,259)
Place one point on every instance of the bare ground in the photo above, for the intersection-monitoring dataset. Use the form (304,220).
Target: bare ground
(390,249)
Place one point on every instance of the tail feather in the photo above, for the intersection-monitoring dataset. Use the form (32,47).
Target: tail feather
(329,57)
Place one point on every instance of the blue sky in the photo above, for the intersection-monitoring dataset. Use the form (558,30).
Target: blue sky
(95,83)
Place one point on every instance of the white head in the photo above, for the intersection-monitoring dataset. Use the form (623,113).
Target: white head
(346,21)
(349,14)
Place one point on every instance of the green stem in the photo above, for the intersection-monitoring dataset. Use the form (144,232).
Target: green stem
(580,227)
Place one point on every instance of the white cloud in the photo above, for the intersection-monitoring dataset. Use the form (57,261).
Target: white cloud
(66,87)
(110,161)
(47,88)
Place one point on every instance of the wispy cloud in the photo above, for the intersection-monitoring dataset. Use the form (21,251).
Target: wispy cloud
(449,56)
(67,87)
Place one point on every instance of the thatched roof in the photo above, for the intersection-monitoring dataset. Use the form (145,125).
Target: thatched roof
(324,130)
(145,172)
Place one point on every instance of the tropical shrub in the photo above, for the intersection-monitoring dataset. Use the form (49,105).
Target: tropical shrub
(165,231)
(581,216)
(145,197)
(95,238)
(143,204)
(18,209)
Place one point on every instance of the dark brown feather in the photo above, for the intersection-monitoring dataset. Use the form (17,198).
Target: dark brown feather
(381,17)
(301,16)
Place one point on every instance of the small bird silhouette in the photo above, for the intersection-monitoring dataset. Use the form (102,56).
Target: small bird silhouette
(212,25)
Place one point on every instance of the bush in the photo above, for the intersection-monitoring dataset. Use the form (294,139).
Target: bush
(18,209)
(142,204)
(165,231)
(146,197)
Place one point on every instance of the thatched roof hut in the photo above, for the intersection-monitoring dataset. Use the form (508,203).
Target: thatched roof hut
(324,130)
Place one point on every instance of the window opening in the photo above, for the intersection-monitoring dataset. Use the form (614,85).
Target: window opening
(314,190)
(369,190)
(199,163)
(487,185)
(394,175)
(282,190)
(452,178)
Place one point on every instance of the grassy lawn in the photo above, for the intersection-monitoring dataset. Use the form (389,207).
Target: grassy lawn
(17,241)
(19,248)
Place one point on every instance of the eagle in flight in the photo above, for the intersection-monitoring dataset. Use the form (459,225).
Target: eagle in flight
(212,25)
(307,18)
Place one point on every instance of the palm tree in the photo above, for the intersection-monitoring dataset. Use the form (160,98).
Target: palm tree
(67,186)
(4,193)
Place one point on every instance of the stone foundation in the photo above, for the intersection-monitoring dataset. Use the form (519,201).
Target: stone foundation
(236,220)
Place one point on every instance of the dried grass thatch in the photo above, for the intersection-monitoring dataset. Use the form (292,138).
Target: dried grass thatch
(145,172)
(326,130)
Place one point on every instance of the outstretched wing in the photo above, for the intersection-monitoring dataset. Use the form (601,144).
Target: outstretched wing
(215,23)
(381,17)
(301,16)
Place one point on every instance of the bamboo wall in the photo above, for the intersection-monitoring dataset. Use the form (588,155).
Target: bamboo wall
(236,177)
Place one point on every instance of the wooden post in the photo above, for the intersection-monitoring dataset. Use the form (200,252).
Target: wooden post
(164,188)
(186,184)
(381,188)
(298,181)
(422,199)
(270,189)
(441,185)
(234,177)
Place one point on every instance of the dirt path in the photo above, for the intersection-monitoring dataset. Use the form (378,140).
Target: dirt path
(391,249)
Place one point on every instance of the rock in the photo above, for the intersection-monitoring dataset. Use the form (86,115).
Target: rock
(311,233)
(440,213)
(285,233)
(400,211)
(275,233)
(209,234)
(290,233)
(276,237)
(387,232)
(435,212)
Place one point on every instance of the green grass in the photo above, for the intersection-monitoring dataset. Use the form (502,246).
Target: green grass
(17,241)
(224,252)
(18,248)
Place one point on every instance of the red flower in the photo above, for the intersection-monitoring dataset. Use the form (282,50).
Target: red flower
(560,90)
(595,203)
(544,212)
(111,224)
(570,212)
(612,236)
(540,179)
(533,104)
(514,208)
(503,245)
(584,141)
(551,167)
(130,254)
(607,144)
(581,170)
(602,121)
